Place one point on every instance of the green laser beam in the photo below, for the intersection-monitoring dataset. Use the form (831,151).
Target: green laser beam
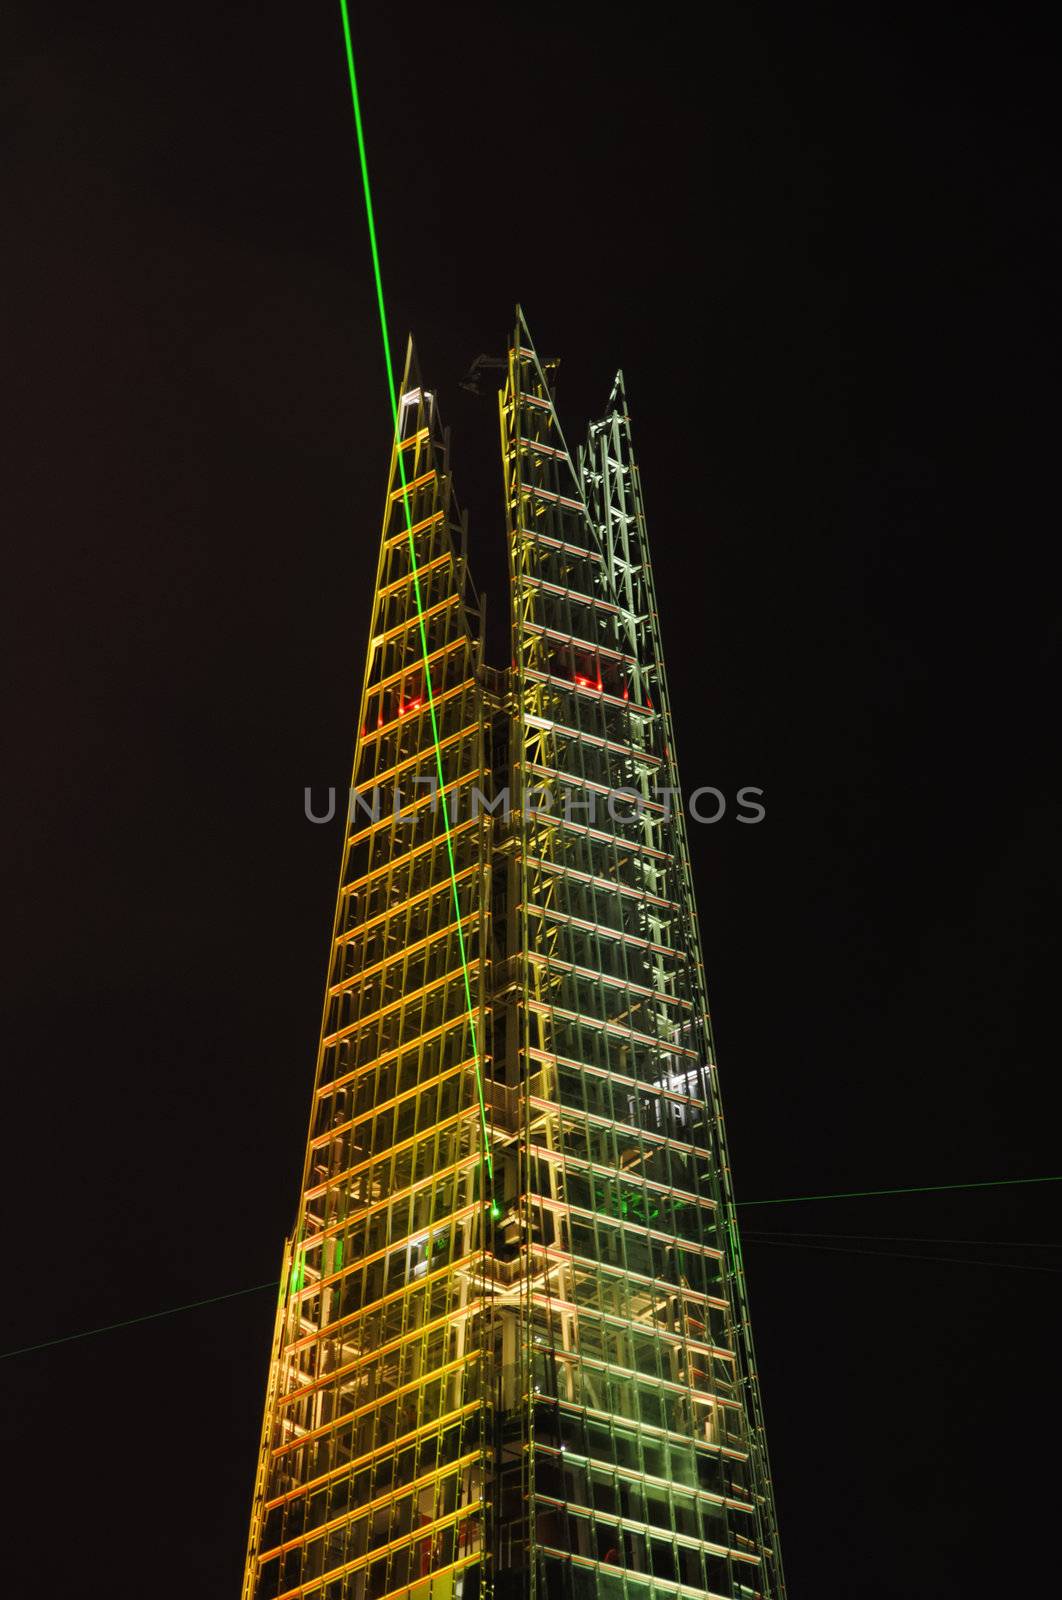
(920,1188)
(150,1316)
(902,1255)
(378,276)
(907,1238)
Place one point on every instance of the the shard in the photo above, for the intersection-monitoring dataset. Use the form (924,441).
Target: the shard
(512,1351)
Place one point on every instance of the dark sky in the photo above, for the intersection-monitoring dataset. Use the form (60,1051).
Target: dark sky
(814,239)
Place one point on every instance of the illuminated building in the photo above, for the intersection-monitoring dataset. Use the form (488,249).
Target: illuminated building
(512,1349)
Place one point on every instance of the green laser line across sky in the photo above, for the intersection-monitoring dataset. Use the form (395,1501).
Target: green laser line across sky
(360,131)
(903,1238)
(258,1288)
(129,1322)
(918,1188)
(899,1255)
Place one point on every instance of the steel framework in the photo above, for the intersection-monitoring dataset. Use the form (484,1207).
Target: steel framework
(512,1350)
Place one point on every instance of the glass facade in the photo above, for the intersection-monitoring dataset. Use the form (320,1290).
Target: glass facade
(512,1352)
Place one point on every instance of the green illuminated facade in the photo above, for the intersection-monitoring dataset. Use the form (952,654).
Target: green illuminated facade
(512,1353)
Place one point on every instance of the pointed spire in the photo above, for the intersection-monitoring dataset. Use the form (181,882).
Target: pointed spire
(522,341)
(411,369)
(617,400)
(410,389)
(417,406)
(523,332)
(524,351)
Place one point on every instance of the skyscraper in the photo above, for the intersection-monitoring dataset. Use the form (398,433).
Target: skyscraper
(512,1351)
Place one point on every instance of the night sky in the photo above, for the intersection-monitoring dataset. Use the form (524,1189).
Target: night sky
(814,239)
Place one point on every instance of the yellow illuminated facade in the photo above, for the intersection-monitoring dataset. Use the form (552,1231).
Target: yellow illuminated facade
(512,1352)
